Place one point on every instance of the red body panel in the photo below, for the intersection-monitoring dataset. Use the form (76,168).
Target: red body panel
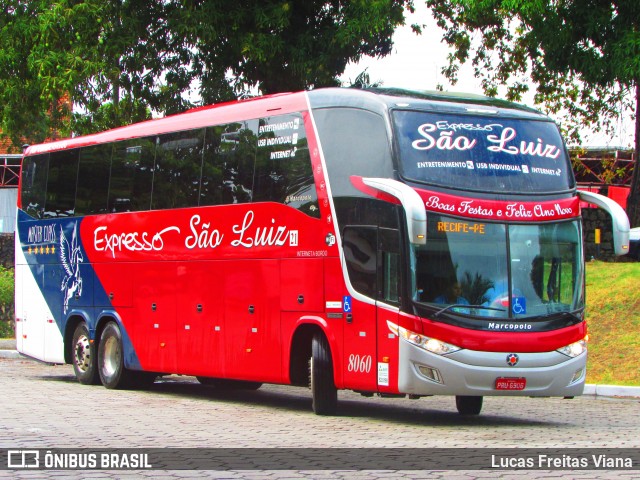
(502,210)
(491,341)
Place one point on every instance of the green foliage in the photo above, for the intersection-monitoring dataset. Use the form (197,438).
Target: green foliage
(474,288)
(117,60)
(6,302)
(583,56)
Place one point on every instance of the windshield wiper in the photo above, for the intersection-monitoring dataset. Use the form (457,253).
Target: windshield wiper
(464,305)
(573,315)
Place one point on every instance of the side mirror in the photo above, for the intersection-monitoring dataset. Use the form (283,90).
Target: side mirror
(619,219)
(411,203)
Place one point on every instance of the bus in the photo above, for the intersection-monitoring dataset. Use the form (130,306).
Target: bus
(388,242)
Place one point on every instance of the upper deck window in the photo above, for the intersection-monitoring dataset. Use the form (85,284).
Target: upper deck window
(488,154)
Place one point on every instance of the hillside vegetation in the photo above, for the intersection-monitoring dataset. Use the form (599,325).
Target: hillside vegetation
(613,318)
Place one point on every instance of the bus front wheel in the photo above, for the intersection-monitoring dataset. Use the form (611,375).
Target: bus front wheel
(468,405)
(84,356)
(323,390)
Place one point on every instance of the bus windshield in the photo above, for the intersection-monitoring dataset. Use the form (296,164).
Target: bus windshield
(499,270)
(482,153)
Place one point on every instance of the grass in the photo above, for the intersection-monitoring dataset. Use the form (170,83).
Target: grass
(613,318)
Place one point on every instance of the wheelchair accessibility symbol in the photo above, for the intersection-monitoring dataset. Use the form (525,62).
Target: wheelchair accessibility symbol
(346,304)
(519,306)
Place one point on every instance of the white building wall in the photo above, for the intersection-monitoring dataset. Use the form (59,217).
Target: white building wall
(8,200)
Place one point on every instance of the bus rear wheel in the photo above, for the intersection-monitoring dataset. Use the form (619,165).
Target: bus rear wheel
(113,374)
(324,393)
(467,405)
(84,356)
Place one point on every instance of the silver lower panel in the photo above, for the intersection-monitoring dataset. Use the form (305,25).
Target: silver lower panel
(467,372)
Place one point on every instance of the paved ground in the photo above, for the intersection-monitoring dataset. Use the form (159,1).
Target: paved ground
(44,407)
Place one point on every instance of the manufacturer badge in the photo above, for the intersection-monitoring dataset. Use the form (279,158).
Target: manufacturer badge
(512,359)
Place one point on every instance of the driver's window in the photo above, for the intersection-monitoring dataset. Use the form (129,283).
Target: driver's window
(360,252)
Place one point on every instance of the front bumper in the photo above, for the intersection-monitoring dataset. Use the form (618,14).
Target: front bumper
(474,373)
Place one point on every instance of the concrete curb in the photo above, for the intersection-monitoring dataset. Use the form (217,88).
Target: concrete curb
(611,391)
(10,354)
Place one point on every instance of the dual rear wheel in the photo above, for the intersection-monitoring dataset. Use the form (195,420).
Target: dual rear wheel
(84,356)
(105,362)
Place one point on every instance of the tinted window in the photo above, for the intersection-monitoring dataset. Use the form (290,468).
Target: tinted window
(283,170)
(229,156)
(176,180)
(93,179)
(61,184)
(389,246)
(481,153)
(131,175)
(34,184)
(354,142)
(212,167)
(360,253)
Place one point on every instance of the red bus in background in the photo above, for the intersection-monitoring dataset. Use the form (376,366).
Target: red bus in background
(383,241)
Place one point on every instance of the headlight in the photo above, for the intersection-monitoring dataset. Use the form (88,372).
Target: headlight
(429,344)
(575,349)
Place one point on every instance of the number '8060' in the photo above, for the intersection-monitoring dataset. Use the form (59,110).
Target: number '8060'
(359,363)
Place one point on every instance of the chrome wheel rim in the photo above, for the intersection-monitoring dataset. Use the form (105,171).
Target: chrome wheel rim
(83,353)
(111,362)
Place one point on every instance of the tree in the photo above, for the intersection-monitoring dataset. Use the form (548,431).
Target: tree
(118,60)
(582,55)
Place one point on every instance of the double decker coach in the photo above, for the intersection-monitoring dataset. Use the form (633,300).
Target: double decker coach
(383,241)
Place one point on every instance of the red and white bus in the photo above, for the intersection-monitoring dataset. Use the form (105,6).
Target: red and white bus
(383,241)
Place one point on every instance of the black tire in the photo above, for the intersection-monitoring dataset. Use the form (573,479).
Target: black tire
(84,356)
(468,405)
(113,374)
(324,393)
(226,384)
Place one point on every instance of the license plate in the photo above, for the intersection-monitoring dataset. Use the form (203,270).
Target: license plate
(506,383)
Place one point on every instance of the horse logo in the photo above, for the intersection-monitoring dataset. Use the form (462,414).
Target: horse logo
(71,258)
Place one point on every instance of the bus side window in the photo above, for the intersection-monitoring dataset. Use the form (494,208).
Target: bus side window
(360,252)
(178,166)
(227,170)
(131,175)
(34,184)
(61,184)
(212,168)
(93,179)
(283,170)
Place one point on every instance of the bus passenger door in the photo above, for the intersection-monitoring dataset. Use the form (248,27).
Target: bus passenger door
(359,353)
(389,289)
